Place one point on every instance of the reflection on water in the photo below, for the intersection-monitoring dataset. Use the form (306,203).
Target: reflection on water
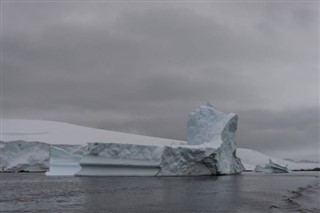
(250,192)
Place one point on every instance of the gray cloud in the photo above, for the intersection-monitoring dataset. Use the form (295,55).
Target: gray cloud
(284,132)
(142,67)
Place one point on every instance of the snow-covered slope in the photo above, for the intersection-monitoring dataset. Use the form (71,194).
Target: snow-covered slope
(251,158)
(53,132)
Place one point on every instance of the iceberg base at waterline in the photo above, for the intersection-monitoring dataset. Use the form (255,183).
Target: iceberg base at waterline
(210,150)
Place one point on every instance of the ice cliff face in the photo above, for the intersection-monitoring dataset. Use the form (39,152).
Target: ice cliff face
(22,156)
(188,161)
(65,159)
(211,150)
(62,159)
(111,159)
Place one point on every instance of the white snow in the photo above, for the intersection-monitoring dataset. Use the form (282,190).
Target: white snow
(53,132)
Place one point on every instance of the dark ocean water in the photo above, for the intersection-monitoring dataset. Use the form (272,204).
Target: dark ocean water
(249,192)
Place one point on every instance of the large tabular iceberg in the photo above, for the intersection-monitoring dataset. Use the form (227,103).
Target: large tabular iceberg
(20,151)
(210,150)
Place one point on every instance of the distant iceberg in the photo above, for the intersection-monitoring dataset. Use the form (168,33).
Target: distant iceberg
(254,160)
(273,167)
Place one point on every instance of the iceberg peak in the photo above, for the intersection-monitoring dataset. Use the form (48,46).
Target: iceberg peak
(207,125)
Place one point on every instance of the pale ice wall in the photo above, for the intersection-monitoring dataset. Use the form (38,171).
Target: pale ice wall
(126,151)
(205,125)
(65,159)
(111,159)
(19,155)
(188,161)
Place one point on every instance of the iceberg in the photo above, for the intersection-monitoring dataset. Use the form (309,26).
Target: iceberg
(273,167)
(210,150)
(24,149)
(25,144)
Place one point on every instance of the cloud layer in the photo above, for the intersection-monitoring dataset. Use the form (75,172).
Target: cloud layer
(142,67)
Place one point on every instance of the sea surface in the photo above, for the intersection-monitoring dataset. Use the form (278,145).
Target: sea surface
(248,192)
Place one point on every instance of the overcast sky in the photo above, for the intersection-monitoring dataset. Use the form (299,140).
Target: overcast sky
(141,67)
